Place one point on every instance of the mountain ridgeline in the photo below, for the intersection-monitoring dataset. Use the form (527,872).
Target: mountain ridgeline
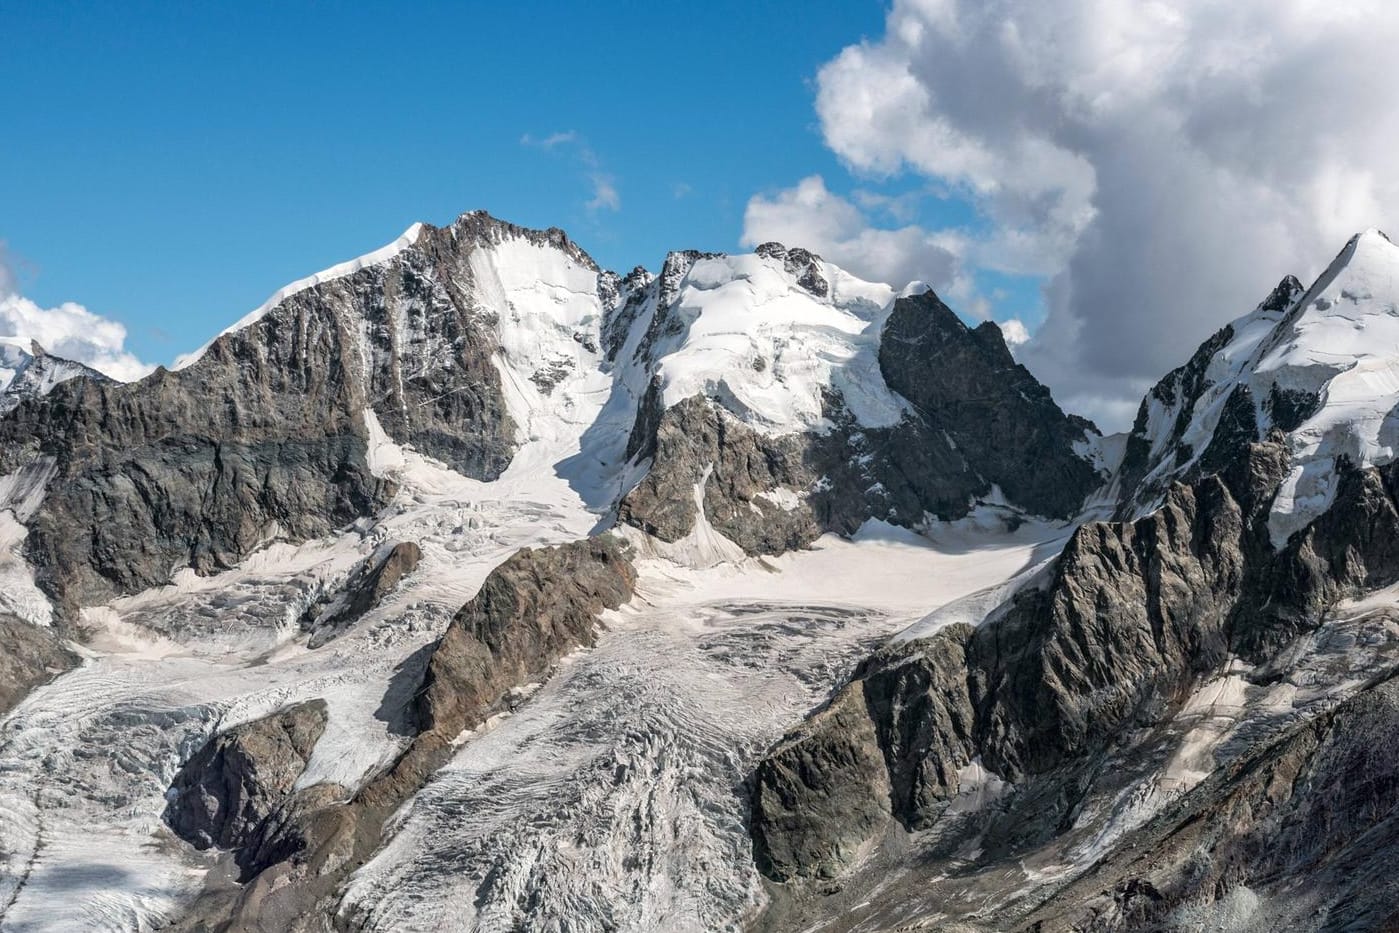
(332,585)
(266,434)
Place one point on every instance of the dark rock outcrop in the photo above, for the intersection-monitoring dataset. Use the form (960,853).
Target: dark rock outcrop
(1002,420)
(1155,456)
(230,793)
(980,420)
(531,611)
(265,435)
(1132,617)
(1298,834)
(29,656)
(769,494)
(376,577)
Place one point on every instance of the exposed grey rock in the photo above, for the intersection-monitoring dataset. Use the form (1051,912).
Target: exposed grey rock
(1002,420)
(1299,834)
(1134,615)
(632,293)
(265,435)
(36,372)
(889,745)
(980,419)
(698,444)
(375,577)
(1151,462)
(227,792)
(533,609)
(29,656)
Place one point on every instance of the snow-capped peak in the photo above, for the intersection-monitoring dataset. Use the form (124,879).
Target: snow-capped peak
(768,333)
(27,370)
(1322,366)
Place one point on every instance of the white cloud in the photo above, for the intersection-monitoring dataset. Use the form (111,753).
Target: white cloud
(604,193)
(73,332)
(1162,164)
(811,216)
(550,141)
(1014,332)
(69,330)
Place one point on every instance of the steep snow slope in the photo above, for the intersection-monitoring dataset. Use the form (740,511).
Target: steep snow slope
(745,330)
(1321,365)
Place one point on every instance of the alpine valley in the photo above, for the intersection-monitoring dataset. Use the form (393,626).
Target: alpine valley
(469,586)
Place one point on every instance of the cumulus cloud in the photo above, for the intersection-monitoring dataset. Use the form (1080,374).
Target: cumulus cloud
(1015,333)
(1161,164)
(69,330)
(811,216)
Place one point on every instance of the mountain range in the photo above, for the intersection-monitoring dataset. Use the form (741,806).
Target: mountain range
(470,586)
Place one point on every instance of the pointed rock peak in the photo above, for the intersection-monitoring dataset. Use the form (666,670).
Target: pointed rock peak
(928,301)
(1283,296)
(481,227)
(678,264)
(800,263)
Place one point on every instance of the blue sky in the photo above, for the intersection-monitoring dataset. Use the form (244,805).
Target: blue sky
(170,165)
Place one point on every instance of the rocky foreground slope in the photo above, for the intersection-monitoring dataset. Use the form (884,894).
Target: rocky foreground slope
(467,585)
(1064,730)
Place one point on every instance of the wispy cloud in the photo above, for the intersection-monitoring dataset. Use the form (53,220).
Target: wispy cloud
(605,194)
(604,184)
(550,141)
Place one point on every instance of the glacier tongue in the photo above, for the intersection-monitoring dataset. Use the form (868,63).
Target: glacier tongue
(608,802)
(635,747)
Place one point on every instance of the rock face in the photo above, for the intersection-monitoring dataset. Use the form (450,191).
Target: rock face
(532,610)
(296,848)
(1297,835)
(1001,420)
(376,577)
(1132,617)
(979,420)
(29,656)
(228,794)
(265,434)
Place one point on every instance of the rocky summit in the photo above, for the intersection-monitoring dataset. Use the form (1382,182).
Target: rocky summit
(469,585)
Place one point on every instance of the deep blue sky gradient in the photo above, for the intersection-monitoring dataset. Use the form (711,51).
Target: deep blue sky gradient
(171,165)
